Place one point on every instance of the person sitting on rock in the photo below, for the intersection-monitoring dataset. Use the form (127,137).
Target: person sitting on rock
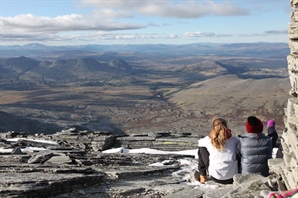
(217,154)
(255,148)
(272,132)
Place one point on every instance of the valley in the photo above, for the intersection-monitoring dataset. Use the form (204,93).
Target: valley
(141,92)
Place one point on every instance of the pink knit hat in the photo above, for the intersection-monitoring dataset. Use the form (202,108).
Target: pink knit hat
(270,123)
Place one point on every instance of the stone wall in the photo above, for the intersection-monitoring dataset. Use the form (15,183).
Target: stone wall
(289,138)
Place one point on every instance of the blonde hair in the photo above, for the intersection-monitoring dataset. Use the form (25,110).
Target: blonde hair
(218,133)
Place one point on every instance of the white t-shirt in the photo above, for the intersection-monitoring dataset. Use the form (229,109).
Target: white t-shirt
(222,164)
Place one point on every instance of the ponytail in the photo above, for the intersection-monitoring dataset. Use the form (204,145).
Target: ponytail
(218,133)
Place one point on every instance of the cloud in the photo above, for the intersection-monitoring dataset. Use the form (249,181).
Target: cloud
(133,36)
(86,37)
(276,32)
(168,8)
(38,28)
(28,37)
(216,35)
(112,20)
(173,36)
(75,37)
(205,34)
(266,33)
(110,13)
(74,22)
(153,25)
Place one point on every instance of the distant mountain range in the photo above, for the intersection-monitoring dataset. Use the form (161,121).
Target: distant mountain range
(24,69)
(274,50)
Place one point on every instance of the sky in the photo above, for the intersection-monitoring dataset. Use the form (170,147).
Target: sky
(81,22)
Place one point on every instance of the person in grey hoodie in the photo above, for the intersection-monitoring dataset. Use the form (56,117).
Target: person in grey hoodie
(255,148)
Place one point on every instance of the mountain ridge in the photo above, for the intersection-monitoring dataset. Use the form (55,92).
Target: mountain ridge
(261,49)
(28,69)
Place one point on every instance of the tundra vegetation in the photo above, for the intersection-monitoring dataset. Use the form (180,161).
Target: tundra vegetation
(141,88)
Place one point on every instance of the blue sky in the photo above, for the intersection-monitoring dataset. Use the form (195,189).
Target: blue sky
(78,22)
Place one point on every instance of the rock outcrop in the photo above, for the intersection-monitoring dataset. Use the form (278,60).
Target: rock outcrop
(71,163)
(74,163)
(289,140)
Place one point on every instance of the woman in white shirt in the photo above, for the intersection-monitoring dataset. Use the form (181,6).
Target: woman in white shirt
(218,154)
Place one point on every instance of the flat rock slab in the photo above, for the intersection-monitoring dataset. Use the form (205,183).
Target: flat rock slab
(142,187)
(144,181)
(186,192)
(44,184)
(137,171)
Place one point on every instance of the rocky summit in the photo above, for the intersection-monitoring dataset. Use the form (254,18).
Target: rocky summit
(74,163)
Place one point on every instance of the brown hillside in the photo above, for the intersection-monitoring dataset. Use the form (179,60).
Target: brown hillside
(235,99)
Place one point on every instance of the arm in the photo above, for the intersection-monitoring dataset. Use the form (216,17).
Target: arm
(238,156)
(272,132)
(204,142)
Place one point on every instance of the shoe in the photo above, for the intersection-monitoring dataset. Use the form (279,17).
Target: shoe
(203,179)
(197,176)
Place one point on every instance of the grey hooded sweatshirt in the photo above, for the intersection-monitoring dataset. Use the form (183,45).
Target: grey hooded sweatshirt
(255,150)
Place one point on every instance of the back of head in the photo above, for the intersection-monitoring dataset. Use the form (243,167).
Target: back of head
(218,135)
(254,125)
(270,123)
(219,121)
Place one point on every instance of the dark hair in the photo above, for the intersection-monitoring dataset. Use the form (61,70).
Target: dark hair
(252,121)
